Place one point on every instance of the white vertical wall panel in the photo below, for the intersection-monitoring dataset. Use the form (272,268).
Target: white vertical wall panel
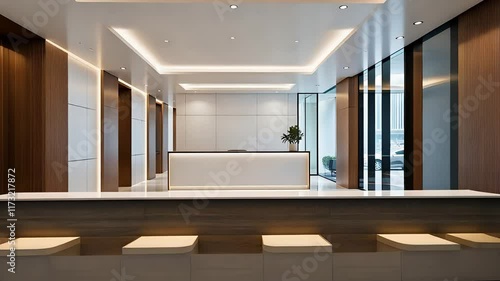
(138,137)
(77,176)
(77,83)
(236,132)
(269,132)
(231,121)
(83,128)
(92,175)
(180,104)
(200,133)
(234,105)
(77,126)
(272,104)
(292,104)
(200,104)
(138,105)
(92,134)
(181,133)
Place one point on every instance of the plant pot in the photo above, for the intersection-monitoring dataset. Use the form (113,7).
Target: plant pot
(292,147)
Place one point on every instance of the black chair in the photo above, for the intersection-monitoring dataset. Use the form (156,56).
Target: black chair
(332,166)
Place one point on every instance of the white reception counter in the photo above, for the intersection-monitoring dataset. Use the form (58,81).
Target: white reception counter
(238,170)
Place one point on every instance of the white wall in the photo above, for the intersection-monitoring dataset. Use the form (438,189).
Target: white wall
(83,129)
(138,137)
(219,122)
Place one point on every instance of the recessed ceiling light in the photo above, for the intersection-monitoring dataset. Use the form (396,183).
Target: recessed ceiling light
(346,67)
(232,37)
(296,41)
(418,22)
(166,41)
(233,6)
(123,68)
(343,7)
(90,49)
(400,37)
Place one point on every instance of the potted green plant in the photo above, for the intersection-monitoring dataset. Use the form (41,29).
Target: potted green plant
(292,137)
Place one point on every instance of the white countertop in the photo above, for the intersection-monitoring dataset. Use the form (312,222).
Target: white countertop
(250,194)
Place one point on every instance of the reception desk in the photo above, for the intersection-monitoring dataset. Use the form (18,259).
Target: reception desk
(238,170)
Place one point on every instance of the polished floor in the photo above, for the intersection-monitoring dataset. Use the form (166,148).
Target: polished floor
(160,183)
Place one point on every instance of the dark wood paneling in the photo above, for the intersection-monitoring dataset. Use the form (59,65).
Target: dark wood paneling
(347,133)
(165,138)
(479,97)
(34,110)
(56,120)
(125,137)
(413,116)
(159,138)
(151,138)
(109,132)
(3,123)
(175,128)
(256,217)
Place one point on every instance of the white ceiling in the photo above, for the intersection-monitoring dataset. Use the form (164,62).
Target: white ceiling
(199,38)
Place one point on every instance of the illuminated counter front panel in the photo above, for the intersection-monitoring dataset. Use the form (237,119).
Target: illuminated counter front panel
(238,170)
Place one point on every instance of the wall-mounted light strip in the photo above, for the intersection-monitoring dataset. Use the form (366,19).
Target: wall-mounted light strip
(338,37)
(98,102)
(231,87)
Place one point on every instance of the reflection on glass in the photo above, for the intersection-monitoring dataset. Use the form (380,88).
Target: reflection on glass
(397,120)
(311,130)
(436,102)
(308,124)
(327,150)
(382,94)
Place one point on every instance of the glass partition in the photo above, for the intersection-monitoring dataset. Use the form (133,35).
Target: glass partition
(327,134)
(381,125)
(438,100)
(308,123)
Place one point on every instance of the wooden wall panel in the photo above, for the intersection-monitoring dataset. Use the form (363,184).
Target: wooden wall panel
(34,114)
(125,137)
(56,119)
(165,138)
(3,124)
(109,132)
(151,138)
(347,133)
(159,138)
(479,97)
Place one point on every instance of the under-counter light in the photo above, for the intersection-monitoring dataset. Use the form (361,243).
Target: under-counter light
(238,87)
(343,7)
(418,22)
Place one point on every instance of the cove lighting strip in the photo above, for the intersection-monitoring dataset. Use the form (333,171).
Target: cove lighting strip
(229,87)
(338,37)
